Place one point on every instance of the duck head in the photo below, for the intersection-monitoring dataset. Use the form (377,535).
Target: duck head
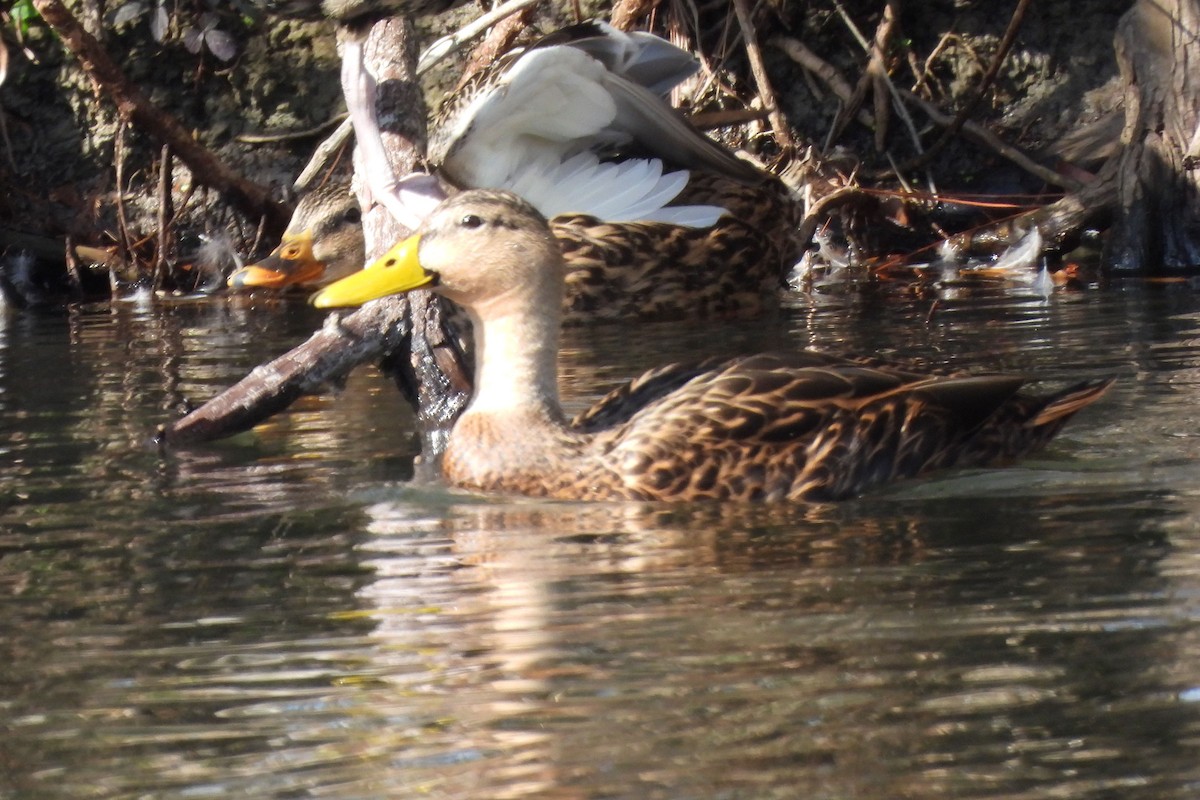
(323,243)
(480,248)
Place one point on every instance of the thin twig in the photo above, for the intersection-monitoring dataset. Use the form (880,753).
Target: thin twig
(960,119)
(878,71)
(927,68)
(288,136)
(119,169)
(448,44)
(815,65)
(810,61)
(325,151)
(625,13)
(74,275)
(759,69)
(164,215)
(869,78)
(901,111)
(683,16)
(806,58)
(259,235)
(724,118)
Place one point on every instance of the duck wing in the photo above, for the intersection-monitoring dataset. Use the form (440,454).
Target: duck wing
(642,69)
(643,58)
(816,427)
(623,402)
(540,123)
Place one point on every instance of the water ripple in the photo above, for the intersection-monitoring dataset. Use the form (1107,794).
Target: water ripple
(290,614)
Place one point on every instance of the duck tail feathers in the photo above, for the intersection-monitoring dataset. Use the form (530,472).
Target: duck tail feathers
(1070,401)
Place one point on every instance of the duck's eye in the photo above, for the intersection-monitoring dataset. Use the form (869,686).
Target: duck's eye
(470,221)
(353,216)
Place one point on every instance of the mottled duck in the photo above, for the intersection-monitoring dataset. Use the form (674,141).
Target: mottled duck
(688,229)
(791,426)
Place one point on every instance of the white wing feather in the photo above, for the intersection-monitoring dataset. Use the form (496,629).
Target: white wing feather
(535,134)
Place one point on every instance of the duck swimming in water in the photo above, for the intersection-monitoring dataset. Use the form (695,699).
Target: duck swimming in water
(793,426)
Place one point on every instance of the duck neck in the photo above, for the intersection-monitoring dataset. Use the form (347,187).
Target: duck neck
(516,353)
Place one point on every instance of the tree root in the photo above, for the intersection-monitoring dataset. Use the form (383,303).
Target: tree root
(252,198)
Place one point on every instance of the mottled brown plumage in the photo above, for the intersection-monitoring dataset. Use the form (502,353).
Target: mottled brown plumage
(615,270)
(794,426)
(623,270)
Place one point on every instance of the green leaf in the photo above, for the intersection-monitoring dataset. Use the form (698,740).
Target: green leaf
(23,14)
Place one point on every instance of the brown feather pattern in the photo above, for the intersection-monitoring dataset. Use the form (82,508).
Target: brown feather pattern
(801,426)
(625,270)
(655,271)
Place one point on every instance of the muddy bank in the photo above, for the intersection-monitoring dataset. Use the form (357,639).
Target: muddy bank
(264,110)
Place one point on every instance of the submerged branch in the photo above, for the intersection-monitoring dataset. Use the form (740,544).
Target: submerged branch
(409,334)
(1060,223)
(328,356)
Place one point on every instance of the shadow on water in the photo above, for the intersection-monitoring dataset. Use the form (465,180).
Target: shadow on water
(287,614)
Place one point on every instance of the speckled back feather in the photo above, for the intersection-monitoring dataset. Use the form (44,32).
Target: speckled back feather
(736,268)
(804,426)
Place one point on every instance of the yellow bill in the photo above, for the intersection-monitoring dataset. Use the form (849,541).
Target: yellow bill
(395,272)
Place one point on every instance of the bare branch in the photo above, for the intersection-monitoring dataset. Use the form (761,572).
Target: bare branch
(324,360)
(448,44)
(758,67)
(964,113)
(985,137)
(626,13)
(133,105)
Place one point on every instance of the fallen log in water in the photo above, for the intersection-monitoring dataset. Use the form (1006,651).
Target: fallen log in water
(409,335)
(328,356)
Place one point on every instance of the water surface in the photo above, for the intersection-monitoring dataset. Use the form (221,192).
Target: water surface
(289,613)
